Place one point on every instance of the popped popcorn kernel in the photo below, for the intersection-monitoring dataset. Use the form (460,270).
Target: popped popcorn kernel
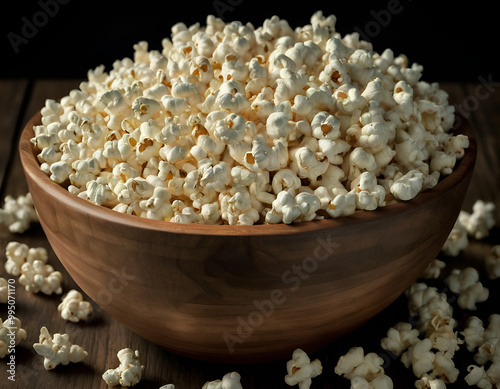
(310,111)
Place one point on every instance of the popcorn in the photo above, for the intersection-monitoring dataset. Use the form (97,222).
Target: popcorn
(57,349)
(40,277)
(321,108)
(10,329)
(301,370)
(481,220)
(229,381)
(399,338)
(477,376)
(473,333)
(73,307)
(18,254)
(358,368)
(429,383)
(434,269)
(129,372)
(18,213)
(466,283)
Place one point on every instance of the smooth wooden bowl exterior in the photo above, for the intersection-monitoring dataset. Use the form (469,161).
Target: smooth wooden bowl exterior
(245,294)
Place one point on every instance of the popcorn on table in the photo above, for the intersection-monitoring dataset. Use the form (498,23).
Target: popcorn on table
(8,329)
(229,381)
(18,213)
(128,373)
(467,285)
(301,370)
(364,371)
(57,349)
(486,374)
(222,110)
(74,308)
(30,264)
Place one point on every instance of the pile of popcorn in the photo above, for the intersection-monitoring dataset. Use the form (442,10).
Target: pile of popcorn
(232,124)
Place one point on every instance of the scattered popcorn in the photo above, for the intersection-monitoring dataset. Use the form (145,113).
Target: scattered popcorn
(18,213)
(473,333)
(57,349)
(215,117)
(479,223)
(129,372)
(18,254)
(11,334)
(358,368)
(466,283)
(492,263)
(399,338)
(40,277)
(73,307)
(429,383)
(301,370)
(432,356)
(434,269)
(477,376)
(229,381)
(420,357)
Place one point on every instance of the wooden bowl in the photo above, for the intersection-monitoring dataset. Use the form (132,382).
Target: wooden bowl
(244,294)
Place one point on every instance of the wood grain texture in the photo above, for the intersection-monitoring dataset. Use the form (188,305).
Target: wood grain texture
(103,336)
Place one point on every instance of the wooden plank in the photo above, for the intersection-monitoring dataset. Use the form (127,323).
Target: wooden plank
(102,336)
(12,92)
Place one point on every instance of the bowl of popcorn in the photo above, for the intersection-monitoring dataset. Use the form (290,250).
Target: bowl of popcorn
(246,191)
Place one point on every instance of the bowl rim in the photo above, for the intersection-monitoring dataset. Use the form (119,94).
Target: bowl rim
(32,170)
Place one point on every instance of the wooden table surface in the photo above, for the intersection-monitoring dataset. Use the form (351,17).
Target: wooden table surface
(103,336)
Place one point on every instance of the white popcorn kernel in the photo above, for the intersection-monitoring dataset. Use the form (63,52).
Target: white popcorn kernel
(19,253)
(128,373)
(360,368)
(73,307)
(231,129)
(429,383)
(229,381)
(419,357)
(57,349)
(477,377)
(342,204)
(37,277)
(473,333)
(18,213)
(407,186)
(434,269)
(301,370)
(466,283)
(400,338)
(369,195)
(10,332)
(481,220)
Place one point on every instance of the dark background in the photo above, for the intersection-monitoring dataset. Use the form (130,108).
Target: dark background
(453,41)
